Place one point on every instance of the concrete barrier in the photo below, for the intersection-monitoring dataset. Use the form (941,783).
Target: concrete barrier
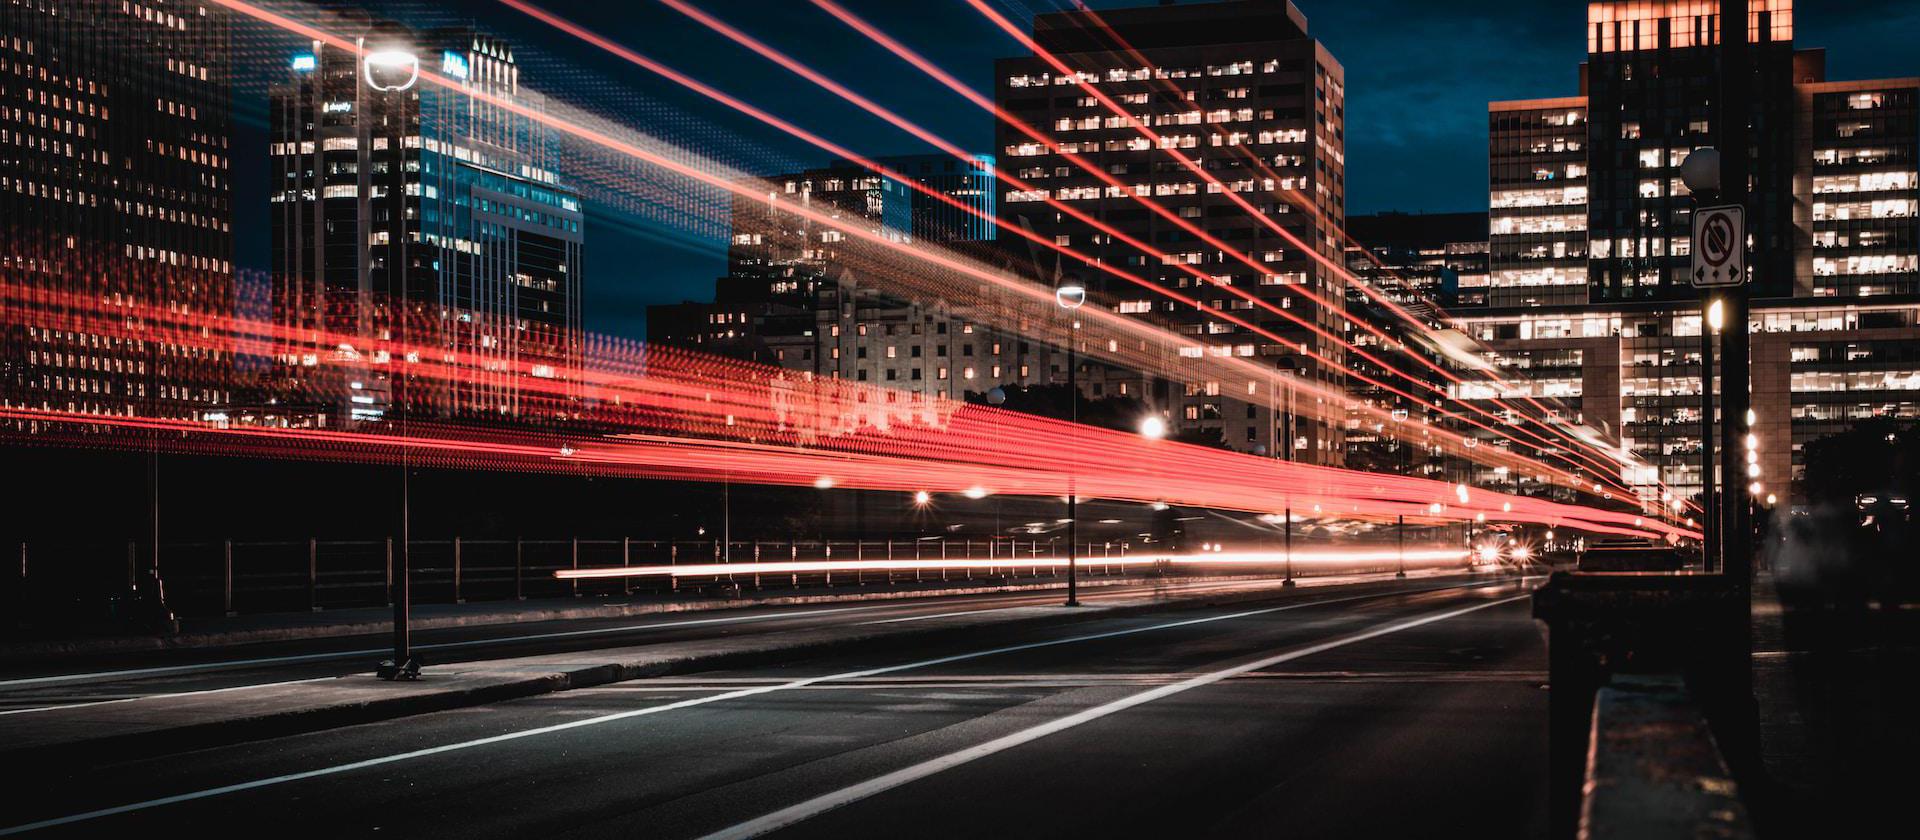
(1653,770)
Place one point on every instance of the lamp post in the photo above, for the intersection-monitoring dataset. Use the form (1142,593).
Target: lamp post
(1070,293)
(1731,124)
(1710,323)
(391,71)
(1701,173)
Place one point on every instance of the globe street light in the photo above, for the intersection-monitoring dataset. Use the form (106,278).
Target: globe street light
(390,70)
(1152,427)
(1701,171)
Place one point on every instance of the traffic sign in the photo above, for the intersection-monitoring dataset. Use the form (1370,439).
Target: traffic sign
(1719,246)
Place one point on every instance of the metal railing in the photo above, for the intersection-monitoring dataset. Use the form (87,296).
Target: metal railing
(233,577)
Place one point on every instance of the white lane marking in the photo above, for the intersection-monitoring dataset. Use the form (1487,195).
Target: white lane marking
(682,704)
(160,696)
(936,615)
(311,657)
(853,793)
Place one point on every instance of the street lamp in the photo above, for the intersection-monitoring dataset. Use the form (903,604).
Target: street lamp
(391,70)
(1070,293)
(1152,427)
(1701,173)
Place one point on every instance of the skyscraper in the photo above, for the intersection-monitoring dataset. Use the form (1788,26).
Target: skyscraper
(115,190)
(409,206)
(1590,241)
(1241,89)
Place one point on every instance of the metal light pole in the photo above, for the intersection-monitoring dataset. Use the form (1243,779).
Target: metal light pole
(1289,545)
(1735,81)
(1070,294)
(1710,321)
(392,71)
(1400,530)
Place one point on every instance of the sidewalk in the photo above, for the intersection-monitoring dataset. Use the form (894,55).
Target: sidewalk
(373,621)
(77,736)
(1836,691)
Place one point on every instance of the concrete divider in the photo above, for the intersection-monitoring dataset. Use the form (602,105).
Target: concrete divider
(1653,770)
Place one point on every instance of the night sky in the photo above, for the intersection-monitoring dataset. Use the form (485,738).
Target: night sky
(1419,75)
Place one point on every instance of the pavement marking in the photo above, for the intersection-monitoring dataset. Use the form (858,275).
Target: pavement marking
(935,615)
(396,758)
(159,696)
(853,793)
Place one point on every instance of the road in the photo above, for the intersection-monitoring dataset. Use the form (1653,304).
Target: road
(29,688)
(1320,714)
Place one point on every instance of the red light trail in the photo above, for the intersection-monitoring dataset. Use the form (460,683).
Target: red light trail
(1251,373)
(1024,289)
(1297,199)
(792,65)
(693,417)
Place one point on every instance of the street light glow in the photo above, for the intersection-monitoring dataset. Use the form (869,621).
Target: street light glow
(1152,427)
(922,498)
(975,492)
(1716,315)
(391,70)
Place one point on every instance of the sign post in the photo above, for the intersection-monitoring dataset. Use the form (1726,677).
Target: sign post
(1719,246)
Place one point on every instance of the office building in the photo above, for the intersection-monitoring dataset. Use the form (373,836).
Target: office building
(461,195)
(115,191)
(1243,90)
(1590,289)
(1427,264)
(804,295)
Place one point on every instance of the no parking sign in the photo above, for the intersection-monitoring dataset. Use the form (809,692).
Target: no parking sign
(1719,246)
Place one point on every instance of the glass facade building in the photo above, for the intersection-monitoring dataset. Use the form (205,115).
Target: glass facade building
(1242,90)
(1590,233)
(115,190)
(488,239)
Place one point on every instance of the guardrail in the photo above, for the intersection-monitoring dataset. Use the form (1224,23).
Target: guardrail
(233,577)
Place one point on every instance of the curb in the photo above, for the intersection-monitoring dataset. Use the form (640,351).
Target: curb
(78,755)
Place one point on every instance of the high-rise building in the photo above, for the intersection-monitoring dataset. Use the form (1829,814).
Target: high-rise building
(1242,89)
(115,191)
(803,295)
(1427,264)
(1590,241)
(461,196)
(1420,259)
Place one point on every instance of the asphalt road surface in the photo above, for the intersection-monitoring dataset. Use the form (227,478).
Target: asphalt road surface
(30,688)
(1327,714)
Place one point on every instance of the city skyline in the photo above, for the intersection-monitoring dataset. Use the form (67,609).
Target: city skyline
(1054,418)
